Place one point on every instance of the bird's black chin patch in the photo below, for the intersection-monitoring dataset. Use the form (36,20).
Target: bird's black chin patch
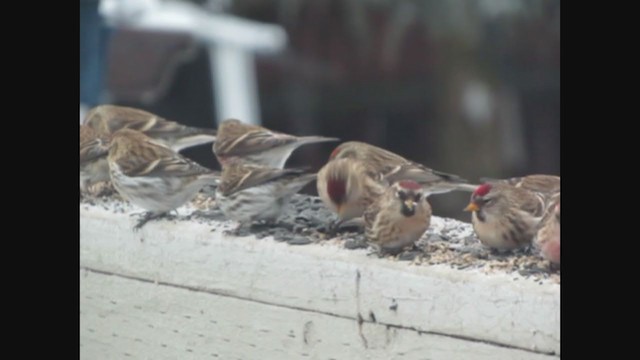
(408,212)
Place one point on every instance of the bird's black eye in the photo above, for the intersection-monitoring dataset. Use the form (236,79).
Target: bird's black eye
(487,201)
(402,195)
(417,197)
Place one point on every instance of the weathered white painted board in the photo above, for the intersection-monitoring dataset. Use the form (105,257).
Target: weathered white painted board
(125,318)
(327,279)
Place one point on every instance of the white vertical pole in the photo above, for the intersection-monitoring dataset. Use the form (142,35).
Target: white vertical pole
(235,83)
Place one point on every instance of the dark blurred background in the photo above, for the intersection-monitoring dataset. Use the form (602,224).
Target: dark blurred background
(466,87)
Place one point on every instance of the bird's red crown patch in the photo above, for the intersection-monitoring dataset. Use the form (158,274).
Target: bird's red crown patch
(334,153)
(482,190)
(409,185)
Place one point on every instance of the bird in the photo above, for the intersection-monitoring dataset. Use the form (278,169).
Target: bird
(545,184)
(393,167)
(107,119)
(398,218)
(153,176)
(505,217)
(255,144)
(249,192)
(547,239)
(347,188)
(94,167)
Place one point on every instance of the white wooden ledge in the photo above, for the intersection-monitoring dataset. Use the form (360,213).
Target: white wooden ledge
(178,290)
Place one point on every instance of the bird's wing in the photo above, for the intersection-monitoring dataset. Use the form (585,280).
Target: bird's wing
(248,176)
(158,160)
(93,149)
(251,142)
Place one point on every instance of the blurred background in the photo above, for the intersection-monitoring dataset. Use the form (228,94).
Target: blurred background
(466,87)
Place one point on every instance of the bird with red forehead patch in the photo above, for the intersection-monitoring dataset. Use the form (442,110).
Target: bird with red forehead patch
(545,184)
(257,145)
(393,167)
(346,188)
(398,218)
(547,239)
(505,217)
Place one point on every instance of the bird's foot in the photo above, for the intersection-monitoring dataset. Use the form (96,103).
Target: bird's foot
(145,218)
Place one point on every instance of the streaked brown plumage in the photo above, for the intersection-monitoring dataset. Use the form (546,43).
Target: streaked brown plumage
(346,188)
(254,144)
(393,167)
(547,239)
(398,218)
(152,176)
(546,184)
(107,119)
(505,217)
(93,158)
(249,192)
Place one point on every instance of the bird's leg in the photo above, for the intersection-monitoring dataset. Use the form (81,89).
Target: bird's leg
(376,250)
(528,250)
(332,229)
(409,253)
(146,217)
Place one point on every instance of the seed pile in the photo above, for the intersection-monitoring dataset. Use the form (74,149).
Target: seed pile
(306,221)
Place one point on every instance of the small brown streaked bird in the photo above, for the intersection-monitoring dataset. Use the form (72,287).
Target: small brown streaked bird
(394,167)
(545,184)
(249,192)
(505,217)
(398,218)
(547,239)
(94,167)
(346,188)
(152,176)
(107,119)
(254,144)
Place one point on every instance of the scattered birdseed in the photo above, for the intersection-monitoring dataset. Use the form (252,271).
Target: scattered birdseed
(306,220)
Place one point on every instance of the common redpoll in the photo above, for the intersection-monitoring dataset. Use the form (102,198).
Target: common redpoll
(505,217)
(153,176)
(398,218)
(94,167)
(548,237)
(254,144)
(394,167)
(346,188)
(249,192)
(545,184)
(107,119)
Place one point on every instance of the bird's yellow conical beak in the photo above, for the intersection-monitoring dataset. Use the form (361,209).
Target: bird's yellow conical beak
(472,207)
(410,204)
